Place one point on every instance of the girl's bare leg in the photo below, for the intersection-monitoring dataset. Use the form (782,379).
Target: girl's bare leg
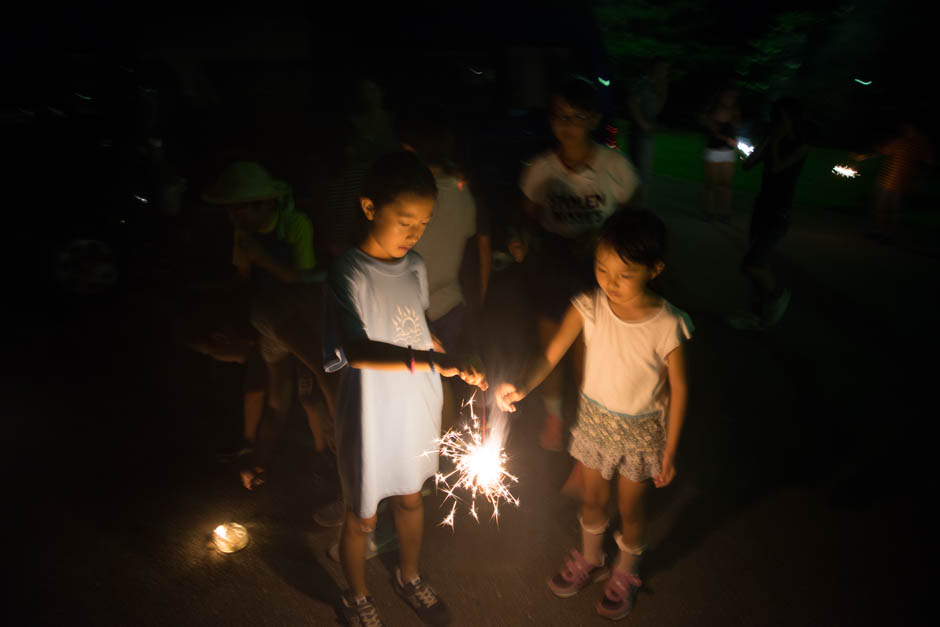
(725,172)
(633,522)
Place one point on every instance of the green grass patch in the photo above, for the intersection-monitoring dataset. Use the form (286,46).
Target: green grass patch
(678,154)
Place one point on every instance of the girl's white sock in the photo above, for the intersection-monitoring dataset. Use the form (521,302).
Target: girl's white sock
(553,405)
(629,558)
(592,541)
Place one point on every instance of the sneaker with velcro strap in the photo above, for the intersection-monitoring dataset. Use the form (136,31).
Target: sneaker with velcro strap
(423,600)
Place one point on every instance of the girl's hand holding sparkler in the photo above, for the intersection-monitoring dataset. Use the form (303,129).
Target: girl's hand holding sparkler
(469,368)
(507,395)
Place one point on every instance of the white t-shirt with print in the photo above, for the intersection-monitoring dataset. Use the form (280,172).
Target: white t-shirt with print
(571,203)
(625,362)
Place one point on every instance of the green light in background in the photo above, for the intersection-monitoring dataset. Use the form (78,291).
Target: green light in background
(861,82)
(603,82)
(82,96)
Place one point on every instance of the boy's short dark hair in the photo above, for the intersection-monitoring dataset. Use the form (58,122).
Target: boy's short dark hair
(637,236)
(394,174)
(579,93)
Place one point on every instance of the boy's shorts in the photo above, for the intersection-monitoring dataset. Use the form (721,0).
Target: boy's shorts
(276,313)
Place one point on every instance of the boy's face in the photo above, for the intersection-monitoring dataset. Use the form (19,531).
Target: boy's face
(571,125)
(622,281)
(397,226)
(251,216)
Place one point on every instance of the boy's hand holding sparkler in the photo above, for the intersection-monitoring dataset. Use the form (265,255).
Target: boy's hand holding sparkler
(468,367)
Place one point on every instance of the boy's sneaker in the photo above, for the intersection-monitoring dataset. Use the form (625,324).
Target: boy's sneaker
(575,575)
(423,600)
(618,595)
(776,308)
(331,514)
(361,613)
(373,548)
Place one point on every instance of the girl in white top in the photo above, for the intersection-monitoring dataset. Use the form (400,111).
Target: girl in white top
(633,399)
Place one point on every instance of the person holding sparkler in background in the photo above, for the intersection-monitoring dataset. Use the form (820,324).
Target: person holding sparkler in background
(903,155)
(720,122)
(388,411)
(783,154)
(633,400)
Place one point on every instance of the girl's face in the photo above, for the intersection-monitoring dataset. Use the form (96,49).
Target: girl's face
(623,281)
(397,226)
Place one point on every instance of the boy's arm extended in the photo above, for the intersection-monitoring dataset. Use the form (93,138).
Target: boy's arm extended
(371,355)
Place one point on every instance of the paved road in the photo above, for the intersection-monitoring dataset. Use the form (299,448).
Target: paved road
(796,503)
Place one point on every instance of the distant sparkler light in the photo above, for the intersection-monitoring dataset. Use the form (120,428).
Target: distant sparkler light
(844,171)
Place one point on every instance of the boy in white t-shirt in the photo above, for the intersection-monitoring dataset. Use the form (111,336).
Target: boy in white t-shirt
(633,401)
(568,192)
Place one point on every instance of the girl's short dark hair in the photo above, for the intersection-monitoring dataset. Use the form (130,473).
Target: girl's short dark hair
(579,93)
(637,236)
(395,174)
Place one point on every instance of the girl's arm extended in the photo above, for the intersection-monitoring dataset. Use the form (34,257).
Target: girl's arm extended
(567,333)
(678,401)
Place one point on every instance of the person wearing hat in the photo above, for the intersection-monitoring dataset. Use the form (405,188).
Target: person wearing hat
(273,243)
(273,248)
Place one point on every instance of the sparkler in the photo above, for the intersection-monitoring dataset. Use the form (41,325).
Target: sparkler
(479,467)
(844,171)
(745,148)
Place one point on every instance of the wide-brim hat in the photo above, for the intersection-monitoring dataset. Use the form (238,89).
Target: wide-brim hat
(243,181)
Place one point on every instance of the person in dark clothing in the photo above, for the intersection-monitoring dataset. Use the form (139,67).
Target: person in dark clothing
(783,154)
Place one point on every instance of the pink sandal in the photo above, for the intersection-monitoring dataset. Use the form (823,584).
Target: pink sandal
(618,595)
(575,575)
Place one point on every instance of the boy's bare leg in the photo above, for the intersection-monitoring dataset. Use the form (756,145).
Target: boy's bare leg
(254,409)
(280,393)
(409,523)
(314,411)
(352,551)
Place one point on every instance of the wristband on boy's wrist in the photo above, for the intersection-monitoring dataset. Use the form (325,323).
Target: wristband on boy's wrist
(431,360)
(411,360)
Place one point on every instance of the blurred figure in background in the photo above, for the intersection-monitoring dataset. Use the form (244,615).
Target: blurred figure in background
(904,155)
(273,248)
(647,99)
(783,153)
(721,121)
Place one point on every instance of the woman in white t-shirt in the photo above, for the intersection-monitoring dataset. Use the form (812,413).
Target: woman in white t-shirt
(633,400)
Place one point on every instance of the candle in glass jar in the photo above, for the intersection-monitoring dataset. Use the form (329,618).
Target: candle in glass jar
(230,537)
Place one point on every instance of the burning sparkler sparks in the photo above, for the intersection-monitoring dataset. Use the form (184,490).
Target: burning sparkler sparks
(479,467)
(845,171)
(745,148)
